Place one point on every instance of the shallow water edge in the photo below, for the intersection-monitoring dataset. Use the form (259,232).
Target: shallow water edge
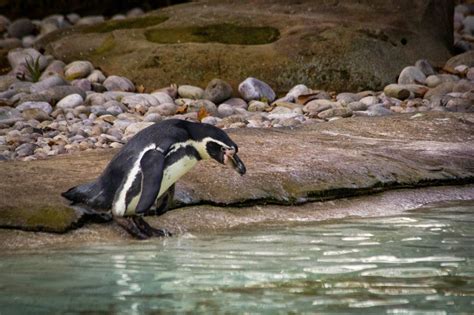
(210,219)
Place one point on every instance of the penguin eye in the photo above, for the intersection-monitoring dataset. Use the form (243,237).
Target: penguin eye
(223,149)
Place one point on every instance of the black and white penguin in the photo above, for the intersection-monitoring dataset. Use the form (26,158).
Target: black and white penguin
(143,173)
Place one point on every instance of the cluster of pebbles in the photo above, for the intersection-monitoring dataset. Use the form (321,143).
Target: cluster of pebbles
(464,27)
(24,32)
(48,107)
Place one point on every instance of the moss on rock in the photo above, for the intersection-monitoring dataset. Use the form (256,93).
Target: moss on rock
(224,33)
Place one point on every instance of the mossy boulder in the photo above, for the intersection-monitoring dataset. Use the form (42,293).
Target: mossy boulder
(338,45)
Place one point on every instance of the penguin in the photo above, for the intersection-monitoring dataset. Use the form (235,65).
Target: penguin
(140,178)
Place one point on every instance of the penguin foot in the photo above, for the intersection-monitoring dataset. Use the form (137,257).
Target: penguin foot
(148,229)
(131,227)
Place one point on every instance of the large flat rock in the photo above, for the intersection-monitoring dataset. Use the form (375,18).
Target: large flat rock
(340,45)
(343,158)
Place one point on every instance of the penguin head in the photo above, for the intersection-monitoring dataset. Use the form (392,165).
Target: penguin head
(216,144)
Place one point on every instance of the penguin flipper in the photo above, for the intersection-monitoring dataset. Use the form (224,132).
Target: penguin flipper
(151,164)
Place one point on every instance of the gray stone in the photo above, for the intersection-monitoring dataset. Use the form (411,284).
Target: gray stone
(162,97)
(36,114)
(469,24)
(73,17)
(56,93)
(236,103)
(404,91)
(440,90)
(258,106)
(117,83)
(460,105)
(411,75)
(435,80)
(98,99)
(370,100)
(378,110)
(463,86)
(9,116)
(314,107)
(133,128)
(191,92)
(113,107)
(28,41)
(19,57)
(470,74)
(153,117)
(295,92)
(254,89)
(83,84)
(425,66)
(217,91)
(357,106)
(6,81)
(96,76)
(56,67)
(335,112)
(53,80)
(346,98)
(25,149)
(46,107)
(210,120)
(78,69)
(90,20)
(10,43)
(209,106)
(225,110)
(139,102)
(165,109)
(70,101)
(21,27)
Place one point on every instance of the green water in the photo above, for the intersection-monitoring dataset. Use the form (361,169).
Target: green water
(417,263)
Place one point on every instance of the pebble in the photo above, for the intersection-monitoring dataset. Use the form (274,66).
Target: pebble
(46,83)
(70,101)
(258,106)
(21,27)
(133,128)
(254,89)
(117,83)
(435,80)
(425,67)
(162,97)
(225,110)
(46,107)
(96,76)
(165,109)
(411,75)
(78,69)
(217,91)
(55,68)
(191,92)
(209,106)
(236,103)
(335,112)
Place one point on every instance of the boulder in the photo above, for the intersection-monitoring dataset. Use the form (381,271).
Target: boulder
(336,45)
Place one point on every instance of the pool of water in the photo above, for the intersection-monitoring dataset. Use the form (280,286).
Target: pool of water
(418,263)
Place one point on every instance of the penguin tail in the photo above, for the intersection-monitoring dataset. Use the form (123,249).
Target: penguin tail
(86,193)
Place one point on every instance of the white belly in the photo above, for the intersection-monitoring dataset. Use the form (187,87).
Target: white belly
(174,172)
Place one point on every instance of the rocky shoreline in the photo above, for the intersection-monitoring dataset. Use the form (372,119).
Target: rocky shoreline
(48,107)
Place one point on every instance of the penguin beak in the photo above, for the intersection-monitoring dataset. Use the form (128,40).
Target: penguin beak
(237,164)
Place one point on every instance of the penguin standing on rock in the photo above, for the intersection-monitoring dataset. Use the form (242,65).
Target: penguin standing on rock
(141,176)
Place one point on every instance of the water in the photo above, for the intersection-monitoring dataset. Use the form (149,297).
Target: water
(417,263)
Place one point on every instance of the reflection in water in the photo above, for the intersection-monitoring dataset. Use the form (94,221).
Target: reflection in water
(418,263)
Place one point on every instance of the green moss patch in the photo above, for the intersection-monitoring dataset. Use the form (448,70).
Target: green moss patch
(113,25)
(220,33)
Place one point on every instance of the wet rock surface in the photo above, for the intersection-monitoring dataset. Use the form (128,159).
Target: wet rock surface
(342,158)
